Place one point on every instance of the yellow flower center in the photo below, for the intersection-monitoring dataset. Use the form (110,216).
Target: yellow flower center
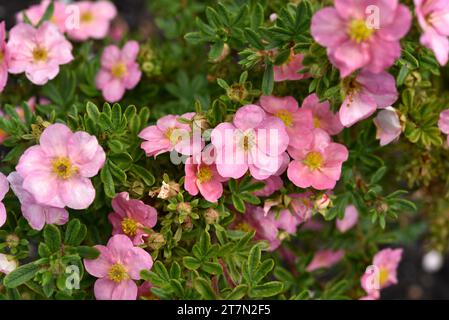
(248,141)
(204,174)
(63,168)
(87,17)
(316,122)
(359,31)
(285,116)
(2,56)
(118,70)
(129,227)
(117,273)
(383,276)
(313,160)
(243,226)
(40,54)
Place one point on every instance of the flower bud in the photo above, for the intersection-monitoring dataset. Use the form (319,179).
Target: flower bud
(12,241)
(7,263)
(237,92)
(322,203)
(184,207)
(156,241)
(167,190)
(188,223)
(211,216)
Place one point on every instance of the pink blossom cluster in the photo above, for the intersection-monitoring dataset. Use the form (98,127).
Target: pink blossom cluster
(40,50)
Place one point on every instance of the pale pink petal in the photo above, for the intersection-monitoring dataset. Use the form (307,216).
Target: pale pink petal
(77,192)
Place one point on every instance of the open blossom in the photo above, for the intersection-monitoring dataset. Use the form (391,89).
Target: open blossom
(323,117)
(119,71)
(366,93)
(268,227)
(317,162)
(349,219)
(433,17)
(36,12)
(272,184)
(35,213)
(94,20)
(7,263)
(443,123)
(382,273)
(4,57)
(290,69)
(388,125)
(298,122)
(118,265)
(4,187)
(252,141)
(131,217)
(38,51)
(203,177)
(169,134)
(352,38)
(325,259)
(57,171)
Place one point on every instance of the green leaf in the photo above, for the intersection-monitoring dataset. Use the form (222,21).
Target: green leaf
(108,182)
(268,80)
(71,232)
(21,275)
(254,259)
(238,292)
(52,237)
(88,252)
(145,174)
(191,263)
(266,290)
(215,50)
(212,268)
(204,289)
(264,268)
(238,203)
(92,111)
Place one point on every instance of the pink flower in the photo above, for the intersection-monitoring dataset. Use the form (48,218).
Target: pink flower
(433,17)
(36,214)
(323,117)
(118,265)
(443,123)
(36,12)
(144,291)
(317,162)
(301,206)
(131,217)
(94,20)
(388,125)
(170,134)
(298,122)
(57,171)
(325,259)
(272,184)
(290,69)
(382,273)
(352,38)
(349,220)
(4,57)
(366,93)
(267,226)
(4,188)
(119,71)
(203,177)
(252,141)
(38,52)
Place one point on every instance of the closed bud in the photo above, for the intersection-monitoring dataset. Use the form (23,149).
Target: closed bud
(156,241)
(211,216)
